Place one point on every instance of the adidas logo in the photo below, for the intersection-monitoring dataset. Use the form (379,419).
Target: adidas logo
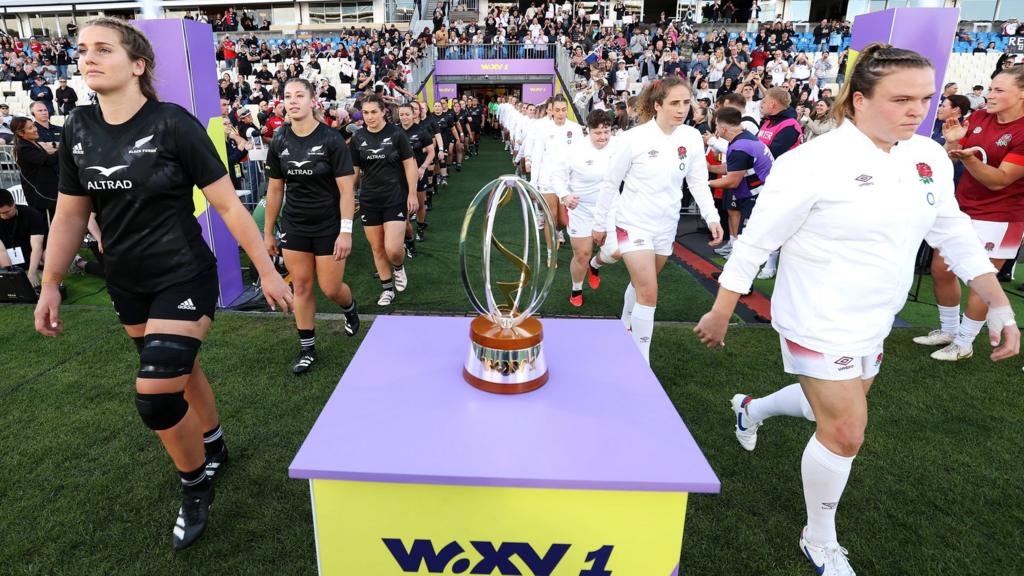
(78,149)
(400,215)
(187,305)
(285,153)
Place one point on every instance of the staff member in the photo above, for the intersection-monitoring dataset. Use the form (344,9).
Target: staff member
(37,164)
(135,161)
(22,230)
(849,210)
(314,163)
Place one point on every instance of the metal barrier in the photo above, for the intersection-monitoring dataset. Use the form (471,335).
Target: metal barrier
(563,63)
(526,51)
(10,174)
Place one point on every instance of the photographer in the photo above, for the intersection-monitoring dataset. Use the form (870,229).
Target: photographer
(22,230)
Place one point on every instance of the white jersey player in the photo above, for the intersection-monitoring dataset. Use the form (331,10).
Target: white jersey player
(849,210)
(651,162)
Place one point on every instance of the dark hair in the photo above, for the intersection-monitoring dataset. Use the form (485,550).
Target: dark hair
(729,116)
(598,118)
(874,63)
(137,45)
(373,99)
(305,84)
(655,93)
(961,103)
(17,125)
(6,198)
(734,98)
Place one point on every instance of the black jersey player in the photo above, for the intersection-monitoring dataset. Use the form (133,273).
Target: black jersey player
(422,142)
(313,162)
(134,161)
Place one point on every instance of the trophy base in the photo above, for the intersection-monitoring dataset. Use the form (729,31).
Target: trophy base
(506,361)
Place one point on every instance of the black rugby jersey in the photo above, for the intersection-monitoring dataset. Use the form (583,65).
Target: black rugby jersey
(140,177)
(309,165)
(420,139)
(430,123)
(379,156)
(444,126)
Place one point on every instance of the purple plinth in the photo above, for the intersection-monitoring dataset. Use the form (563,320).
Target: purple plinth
(402,413)
(927,31)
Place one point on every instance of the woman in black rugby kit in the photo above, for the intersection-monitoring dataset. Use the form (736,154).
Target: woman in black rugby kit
(387,172)
(134,161)
(422,142)
(314,163)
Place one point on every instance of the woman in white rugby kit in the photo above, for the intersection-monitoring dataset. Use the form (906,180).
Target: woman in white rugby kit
(849,210)
(651,162)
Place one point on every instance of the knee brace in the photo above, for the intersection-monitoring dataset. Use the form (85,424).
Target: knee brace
(161,411)
(140,343)
(167,356)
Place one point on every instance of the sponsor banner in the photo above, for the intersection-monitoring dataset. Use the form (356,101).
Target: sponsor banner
(389,529)
(493,67)
(536,93)
(449,91)
(186,74)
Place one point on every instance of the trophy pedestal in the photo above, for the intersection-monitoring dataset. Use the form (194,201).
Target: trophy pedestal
(506,360)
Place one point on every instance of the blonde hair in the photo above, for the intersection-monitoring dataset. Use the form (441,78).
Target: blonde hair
(873,64)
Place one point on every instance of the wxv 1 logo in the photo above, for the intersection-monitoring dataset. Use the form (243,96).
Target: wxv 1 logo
(493,558)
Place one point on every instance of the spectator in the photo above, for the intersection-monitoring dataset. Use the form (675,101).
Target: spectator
(47,132)
(67,98)
(37,162)
(822,68)
(780,130)
(817,121)
(6,134)
(63,60)
(41,93)
(980,48)
(22,232)
(976,97)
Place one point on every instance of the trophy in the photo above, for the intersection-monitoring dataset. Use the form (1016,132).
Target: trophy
(506,354)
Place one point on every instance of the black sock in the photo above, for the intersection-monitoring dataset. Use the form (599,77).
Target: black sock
(421,226)
(577,292)
(195,481)
(213,440)
(350,307)
(398,268)
(410,242)
(307,338)
(388,284)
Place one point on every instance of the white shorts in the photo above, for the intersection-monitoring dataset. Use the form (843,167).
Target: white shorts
(805,362)
(581,220)
(1000,239)
(637,239)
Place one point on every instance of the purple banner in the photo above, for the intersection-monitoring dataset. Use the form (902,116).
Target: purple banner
(493,67)
(449,91)
(927,31)
(536,93)
(186,74)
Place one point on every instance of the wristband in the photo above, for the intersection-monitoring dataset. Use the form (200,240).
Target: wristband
(346,226)
(52,277)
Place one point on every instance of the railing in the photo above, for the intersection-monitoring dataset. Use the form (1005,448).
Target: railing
(500,51)
(563,63)
(10,174)
(400,10)
(421,69)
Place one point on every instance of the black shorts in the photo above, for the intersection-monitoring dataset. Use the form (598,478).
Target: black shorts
(423,183)
(316,245)
(745,206)
(378,216)
(188,301)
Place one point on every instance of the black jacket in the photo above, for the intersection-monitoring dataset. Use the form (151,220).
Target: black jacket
(39,175)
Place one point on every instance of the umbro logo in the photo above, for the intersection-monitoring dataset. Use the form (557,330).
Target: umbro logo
(187,305)
(653,153)
(78,149)
(285,153)
(865,180)
(844,361)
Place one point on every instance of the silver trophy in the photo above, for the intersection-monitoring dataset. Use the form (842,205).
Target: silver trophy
(506,354)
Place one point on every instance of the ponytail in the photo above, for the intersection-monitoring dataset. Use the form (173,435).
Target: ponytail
(655,93)
(874,63)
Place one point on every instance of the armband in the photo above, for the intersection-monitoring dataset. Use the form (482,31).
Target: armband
(346,226)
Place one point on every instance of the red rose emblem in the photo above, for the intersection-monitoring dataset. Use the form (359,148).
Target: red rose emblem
(924,170)
(569,134)
(990,246)
(682,152)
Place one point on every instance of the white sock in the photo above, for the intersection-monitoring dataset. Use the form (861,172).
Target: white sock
(577,285)
(643,329)
(628,301)
(949,318)
(595,263)
(968,331)
(773,261)
(788,401)
(824,476)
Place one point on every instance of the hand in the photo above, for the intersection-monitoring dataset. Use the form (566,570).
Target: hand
(47,314)
(277,293)
(716,233)
(1003,333)
(271,244)
(412,204)
(707,137)
(571,202)
(33,279)
(599,237)
(342,246)
(421,171)
(712,328)
(953,131)
(960,155)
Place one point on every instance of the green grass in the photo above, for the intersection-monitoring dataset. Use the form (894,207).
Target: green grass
(86,489)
